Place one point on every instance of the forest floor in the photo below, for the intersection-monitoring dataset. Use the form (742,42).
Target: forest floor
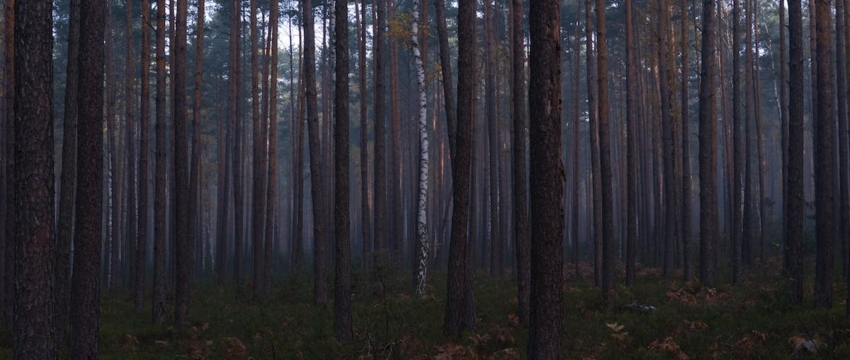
(751,320)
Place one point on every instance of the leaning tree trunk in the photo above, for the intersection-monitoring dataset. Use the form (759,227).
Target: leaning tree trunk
(422,217)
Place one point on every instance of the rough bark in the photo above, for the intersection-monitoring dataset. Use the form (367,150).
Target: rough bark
(686,149)
(547,177)
(461,156)
(708,148)
(794,215)
(85,282)
(195,209)
(342,226)
(181,218)
(824,159)
(68,178)
(493,136)
(738,146)
(522,231)
(9,164)
(33,329)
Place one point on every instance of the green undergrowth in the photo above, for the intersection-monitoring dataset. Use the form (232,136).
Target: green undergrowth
(751,320)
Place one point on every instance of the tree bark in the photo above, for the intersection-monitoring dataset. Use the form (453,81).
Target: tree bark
(824,159)
(631,171)
(422,214)
(461,155)
(85,282)
(144,108)
(160,184)
(236,154)
(794,216)
(130,143)
(342,226)
(522,235)
(181,218)
(606,176)
(365,184)
(68,180)
(34,184)
(670,211)
(195,209)
(708,148)
(271,200)
(594,145)
(686,149)
(259,156)
(547,176)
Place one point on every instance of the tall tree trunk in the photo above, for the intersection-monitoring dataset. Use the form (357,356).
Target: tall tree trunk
(130,69)
(824,160)
(9,164)
(738,145)
(34,186)
(461,155)
(547,176)
(670,237)
(320,295)
(783,115)
(631,171)
(235,118)
(395,162)
(160,200)
(841,89)
(795,215)
(298,165)
(381,203)
(112,143)
(522,235)
(259,156)
(195,176)
(365,184)
(271,200)
(493,130)
(85,282)
(342,226)
(68,180)
(422,206)
(708,148)
(594,145)
(844,146)
(144,108)
(686,148)
(606,177)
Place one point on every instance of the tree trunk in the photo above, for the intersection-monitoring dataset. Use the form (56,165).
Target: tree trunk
(271,200)
(34,187)
(235,118)
(68,178)
(160,197)
(130,241)
(113,219)
(606,177)
(794,200)
(594,146)
(739,151)
(824,160)
(320,295)
(181,217)
(522,235)
(686,149)
(461,154)
(841,89)
(144,107)
(195,208)
(670,237)
(631,171)
(259,157)
(342,226)
(365,184)
(381,203)
(708,149)
(547,176)
(422,215)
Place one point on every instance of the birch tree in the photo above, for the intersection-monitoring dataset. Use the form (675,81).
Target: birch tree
(422,217)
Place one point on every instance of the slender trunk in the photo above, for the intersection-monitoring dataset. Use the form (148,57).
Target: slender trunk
(738,145)
(670,237)
(522,235)
(631,171)
(271,200)
(605,154)
(258,154)
(422,217)
(160,200)
(236,154)
(130,247)
(195,176)
(686,148)
(144,109)
(112,144)
(594,145)
(365,184)
(708,148)
(381,204)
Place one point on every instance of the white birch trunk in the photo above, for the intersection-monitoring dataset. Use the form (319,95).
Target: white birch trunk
(423,156)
